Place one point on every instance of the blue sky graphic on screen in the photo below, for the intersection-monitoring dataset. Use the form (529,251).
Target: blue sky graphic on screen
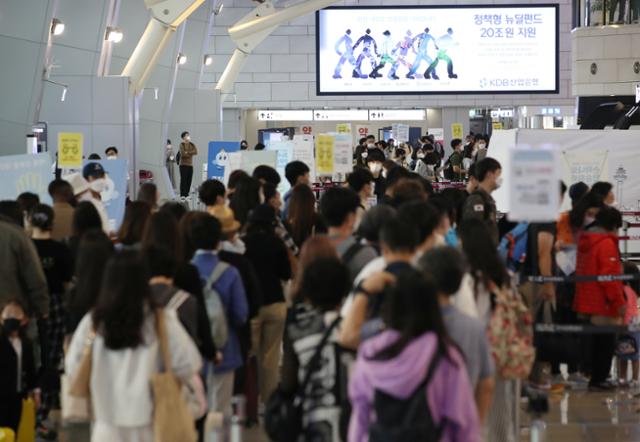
(218,159)
(455,49)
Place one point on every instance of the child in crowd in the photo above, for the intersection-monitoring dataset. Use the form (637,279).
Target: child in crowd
(17,367)
(626,350)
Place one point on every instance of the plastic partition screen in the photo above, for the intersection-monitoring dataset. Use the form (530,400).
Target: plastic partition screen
(471,49)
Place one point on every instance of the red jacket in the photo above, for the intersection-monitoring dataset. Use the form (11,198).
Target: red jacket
(598,255)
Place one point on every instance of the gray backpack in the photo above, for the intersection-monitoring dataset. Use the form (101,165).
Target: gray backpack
(215,307)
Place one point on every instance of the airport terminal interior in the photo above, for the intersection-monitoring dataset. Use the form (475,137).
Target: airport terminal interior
(319,220)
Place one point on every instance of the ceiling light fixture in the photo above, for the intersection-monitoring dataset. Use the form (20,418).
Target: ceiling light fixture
(208,60)
(182,59)
(57,27)
(114,35)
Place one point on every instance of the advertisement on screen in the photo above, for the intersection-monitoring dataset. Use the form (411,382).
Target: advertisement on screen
(439,50)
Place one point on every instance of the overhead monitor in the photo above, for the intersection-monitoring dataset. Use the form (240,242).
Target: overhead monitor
(458,49)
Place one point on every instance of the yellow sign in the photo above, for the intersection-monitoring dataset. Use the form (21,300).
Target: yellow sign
(457,131)
(343,128)
(69,150)
(324,154)
(497,125)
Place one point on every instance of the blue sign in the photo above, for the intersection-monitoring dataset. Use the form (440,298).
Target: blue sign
(218,157)
(115,192)
(26,173)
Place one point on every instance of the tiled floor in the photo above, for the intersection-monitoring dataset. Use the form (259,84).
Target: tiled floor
(581,416)
(574,416)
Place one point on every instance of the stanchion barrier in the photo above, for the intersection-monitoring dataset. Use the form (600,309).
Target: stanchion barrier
(586,329)
(630,213)
(581,278)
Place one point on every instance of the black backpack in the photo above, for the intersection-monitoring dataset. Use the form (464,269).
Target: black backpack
(410,419)
(283,411)
(448,169)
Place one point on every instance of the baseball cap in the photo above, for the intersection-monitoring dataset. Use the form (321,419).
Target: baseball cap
(93,170)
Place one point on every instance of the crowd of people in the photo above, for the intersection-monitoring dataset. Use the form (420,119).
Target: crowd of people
(399,320)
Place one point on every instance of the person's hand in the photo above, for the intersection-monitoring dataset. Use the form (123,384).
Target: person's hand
(377,282)
(217,360)
(548,292)
(35,395)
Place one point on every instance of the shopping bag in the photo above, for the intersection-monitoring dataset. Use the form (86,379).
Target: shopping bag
(74,409)
(27,426)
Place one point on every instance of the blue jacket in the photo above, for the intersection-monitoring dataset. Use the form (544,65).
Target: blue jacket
(234,299)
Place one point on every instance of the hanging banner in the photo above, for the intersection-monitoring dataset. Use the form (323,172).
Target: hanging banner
(324,154)
(218,157)
(588,167)
(70,146)
(534,177)
(25,173)
(114,195)
(457,131)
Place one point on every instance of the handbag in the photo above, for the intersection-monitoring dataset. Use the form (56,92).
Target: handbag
(75,393)
(172,420)
(283,411)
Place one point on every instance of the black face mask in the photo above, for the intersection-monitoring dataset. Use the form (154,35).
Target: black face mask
(11,325)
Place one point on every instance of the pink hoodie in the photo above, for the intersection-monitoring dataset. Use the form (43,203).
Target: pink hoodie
(449,393)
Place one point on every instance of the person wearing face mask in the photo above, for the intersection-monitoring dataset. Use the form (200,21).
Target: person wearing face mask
(84,191)
(17,365)
(481,152)
(187,151)
(111,152)
(480,204)
(375,158)
(605,190)
(244,145)
(360,153)
(170,160)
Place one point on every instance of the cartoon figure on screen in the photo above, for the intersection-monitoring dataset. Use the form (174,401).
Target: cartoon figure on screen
(443,43)
(346,55)
(402,49)
(422,54)
(387,52)
(367,42)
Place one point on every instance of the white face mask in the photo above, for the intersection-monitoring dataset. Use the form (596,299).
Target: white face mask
(420,155)
(371,145)
(482,146)
(187,138)
(112,157)
(384,174)
(588,220)
(365,154)
(98,185)
(499,182)
(375,167)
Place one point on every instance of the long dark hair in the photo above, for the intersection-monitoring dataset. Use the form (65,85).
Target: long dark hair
(591,200)
(94,251)
(124,297)
(85,218)
(302,214)
(484,262)
(245,198)
(149,194)
(411,308)
(135,220)
(162,231)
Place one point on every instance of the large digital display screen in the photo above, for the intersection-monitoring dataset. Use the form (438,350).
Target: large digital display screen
(458,49)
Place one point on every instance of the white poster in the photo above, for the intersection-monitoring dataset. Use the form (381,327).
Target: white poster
(400,132)
(342,157)
(248,160)
(284,155)
(438,134)
(437,49)
(534,181)
(303,151)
